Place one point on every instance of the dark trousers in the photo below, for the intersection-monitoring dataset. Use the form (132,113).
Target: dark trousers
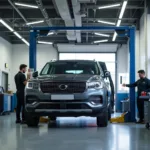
(20,105)
(140,106)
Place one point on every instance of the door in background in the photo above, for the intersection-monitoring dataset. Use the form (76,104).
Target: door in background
(5,81)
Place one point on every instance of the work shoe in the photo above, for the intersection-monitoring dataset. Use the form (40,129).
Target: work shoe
(23,122)
(140,122)
(18,121)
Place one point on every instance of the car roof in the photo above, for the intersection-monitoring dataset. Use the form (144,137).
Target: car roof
(90,61)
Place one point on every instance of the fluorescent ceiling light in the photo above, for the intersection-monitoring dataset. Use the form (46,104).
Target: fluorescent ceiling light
(101,41)
(43,42)
(114,37)
(25,41)
(100,34)
(123,9)
(6,25)
(50,33)
(12,30)
(35,22)
(118,23)
(18,35)
(106,22)
(26,5)
(109,6)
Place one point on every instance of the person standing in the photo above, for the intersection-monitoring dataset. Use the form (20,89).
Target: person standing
(21,81)
(143,85)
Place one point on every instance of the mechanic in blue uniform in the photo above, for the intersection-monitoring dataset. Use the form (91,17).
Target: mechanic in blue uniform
(143,85)
(20,81)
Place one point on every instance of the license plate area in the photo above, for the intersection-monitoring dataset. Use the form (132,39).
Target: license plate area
(62,97)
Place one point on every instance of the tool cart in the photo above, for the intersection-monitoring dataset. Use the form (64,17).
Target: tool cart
(146,110)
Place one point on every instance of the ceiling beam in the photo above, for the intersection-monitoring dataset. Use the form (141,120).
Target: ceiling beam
(88,6)
(44,12)
(18,11)
(60,19)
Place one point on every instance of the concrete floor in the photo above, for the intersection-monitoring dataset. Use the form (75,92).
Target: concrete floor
(72,137)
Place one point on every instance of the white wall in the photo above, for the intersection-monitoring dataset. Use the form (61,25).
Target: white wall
(5,57)
(142,38)
(143,45)
(20,55)
(73,48)
(148,45)
(122,65)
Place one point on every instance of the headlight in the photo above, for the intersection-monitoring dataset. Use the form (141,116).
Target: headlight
(32,85)
(94,85)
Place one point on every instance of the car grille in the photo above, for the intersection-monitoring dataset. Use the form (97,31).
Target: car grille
(62,106)
(67,87)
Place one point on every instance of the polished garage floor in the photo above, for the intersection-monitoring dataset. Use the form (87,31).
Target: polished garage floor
(69,136)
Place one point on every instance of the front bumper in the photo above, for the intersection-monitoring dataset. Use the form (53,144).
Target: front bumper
(65,109)
(42,104)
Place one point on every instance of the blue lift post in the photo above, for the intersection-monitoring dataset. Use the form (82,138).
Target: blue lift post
(130,33)
(132,73)
(32,51)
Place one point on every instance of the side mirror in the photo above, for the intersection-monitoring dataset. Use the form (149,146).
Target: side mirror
(35,74)
(107,74)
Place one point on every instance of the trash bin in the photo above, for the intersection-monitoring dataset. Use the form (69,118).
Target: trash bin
(125,105)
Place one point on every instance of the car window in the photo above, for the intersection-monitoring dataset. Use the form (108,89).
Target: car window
(101,71)
(46,69)
(74,71)
(71,68)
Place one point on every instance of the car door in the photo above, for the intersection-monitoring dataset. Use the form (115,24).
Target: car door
(104,68)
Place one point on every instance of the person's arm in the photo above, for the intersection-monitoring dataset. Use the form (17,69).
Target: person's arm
(131,85)
(24,80)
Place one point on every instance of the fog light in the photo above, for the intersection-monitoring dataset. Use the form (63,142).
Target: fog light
(96,100)
(34,103)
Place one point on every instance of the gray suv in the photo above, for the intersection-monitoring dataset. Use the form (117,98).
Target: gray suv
(69,88)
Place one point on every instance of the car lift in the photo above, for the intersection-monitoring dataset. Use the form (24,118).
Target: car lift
(122,31)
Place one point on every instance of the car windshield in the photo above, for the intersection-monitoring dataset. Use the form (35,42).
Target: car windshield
(70,68)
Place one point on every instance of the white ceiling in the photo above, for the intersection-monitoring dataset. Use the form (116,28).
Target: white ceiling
(101,48)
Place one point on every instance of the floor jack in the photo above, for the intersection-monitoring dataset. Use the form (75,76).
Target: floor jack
(120,119)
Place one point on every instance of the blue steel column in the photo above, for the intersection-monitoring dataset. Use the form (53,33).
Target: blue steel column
(32,50)
(132,73)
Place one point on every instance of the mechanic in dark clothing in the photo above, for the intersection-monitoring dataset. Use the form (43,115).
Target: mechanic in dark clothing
(143,85)
(20,81)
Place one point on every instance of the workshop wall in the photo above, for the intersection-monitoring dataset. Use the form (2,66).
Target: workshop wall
(142,41)
(148,45)
(5,57)
(122,74)
(20,55)
(122,64)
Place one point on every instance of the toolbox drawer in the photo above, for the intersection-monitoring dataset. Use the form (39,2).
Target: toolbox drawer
(147,111)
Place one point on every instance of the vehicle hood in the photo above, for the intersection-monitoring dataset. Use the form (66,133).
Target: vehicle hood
(68,77)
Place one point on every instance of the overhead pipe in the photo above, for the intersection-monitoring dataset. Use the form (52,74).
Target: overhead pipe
(77,18)
(64,12)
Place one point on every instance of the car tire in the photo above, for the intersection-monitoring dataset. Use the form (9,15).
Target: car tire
(109,113)
(102,119)
(31,121)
